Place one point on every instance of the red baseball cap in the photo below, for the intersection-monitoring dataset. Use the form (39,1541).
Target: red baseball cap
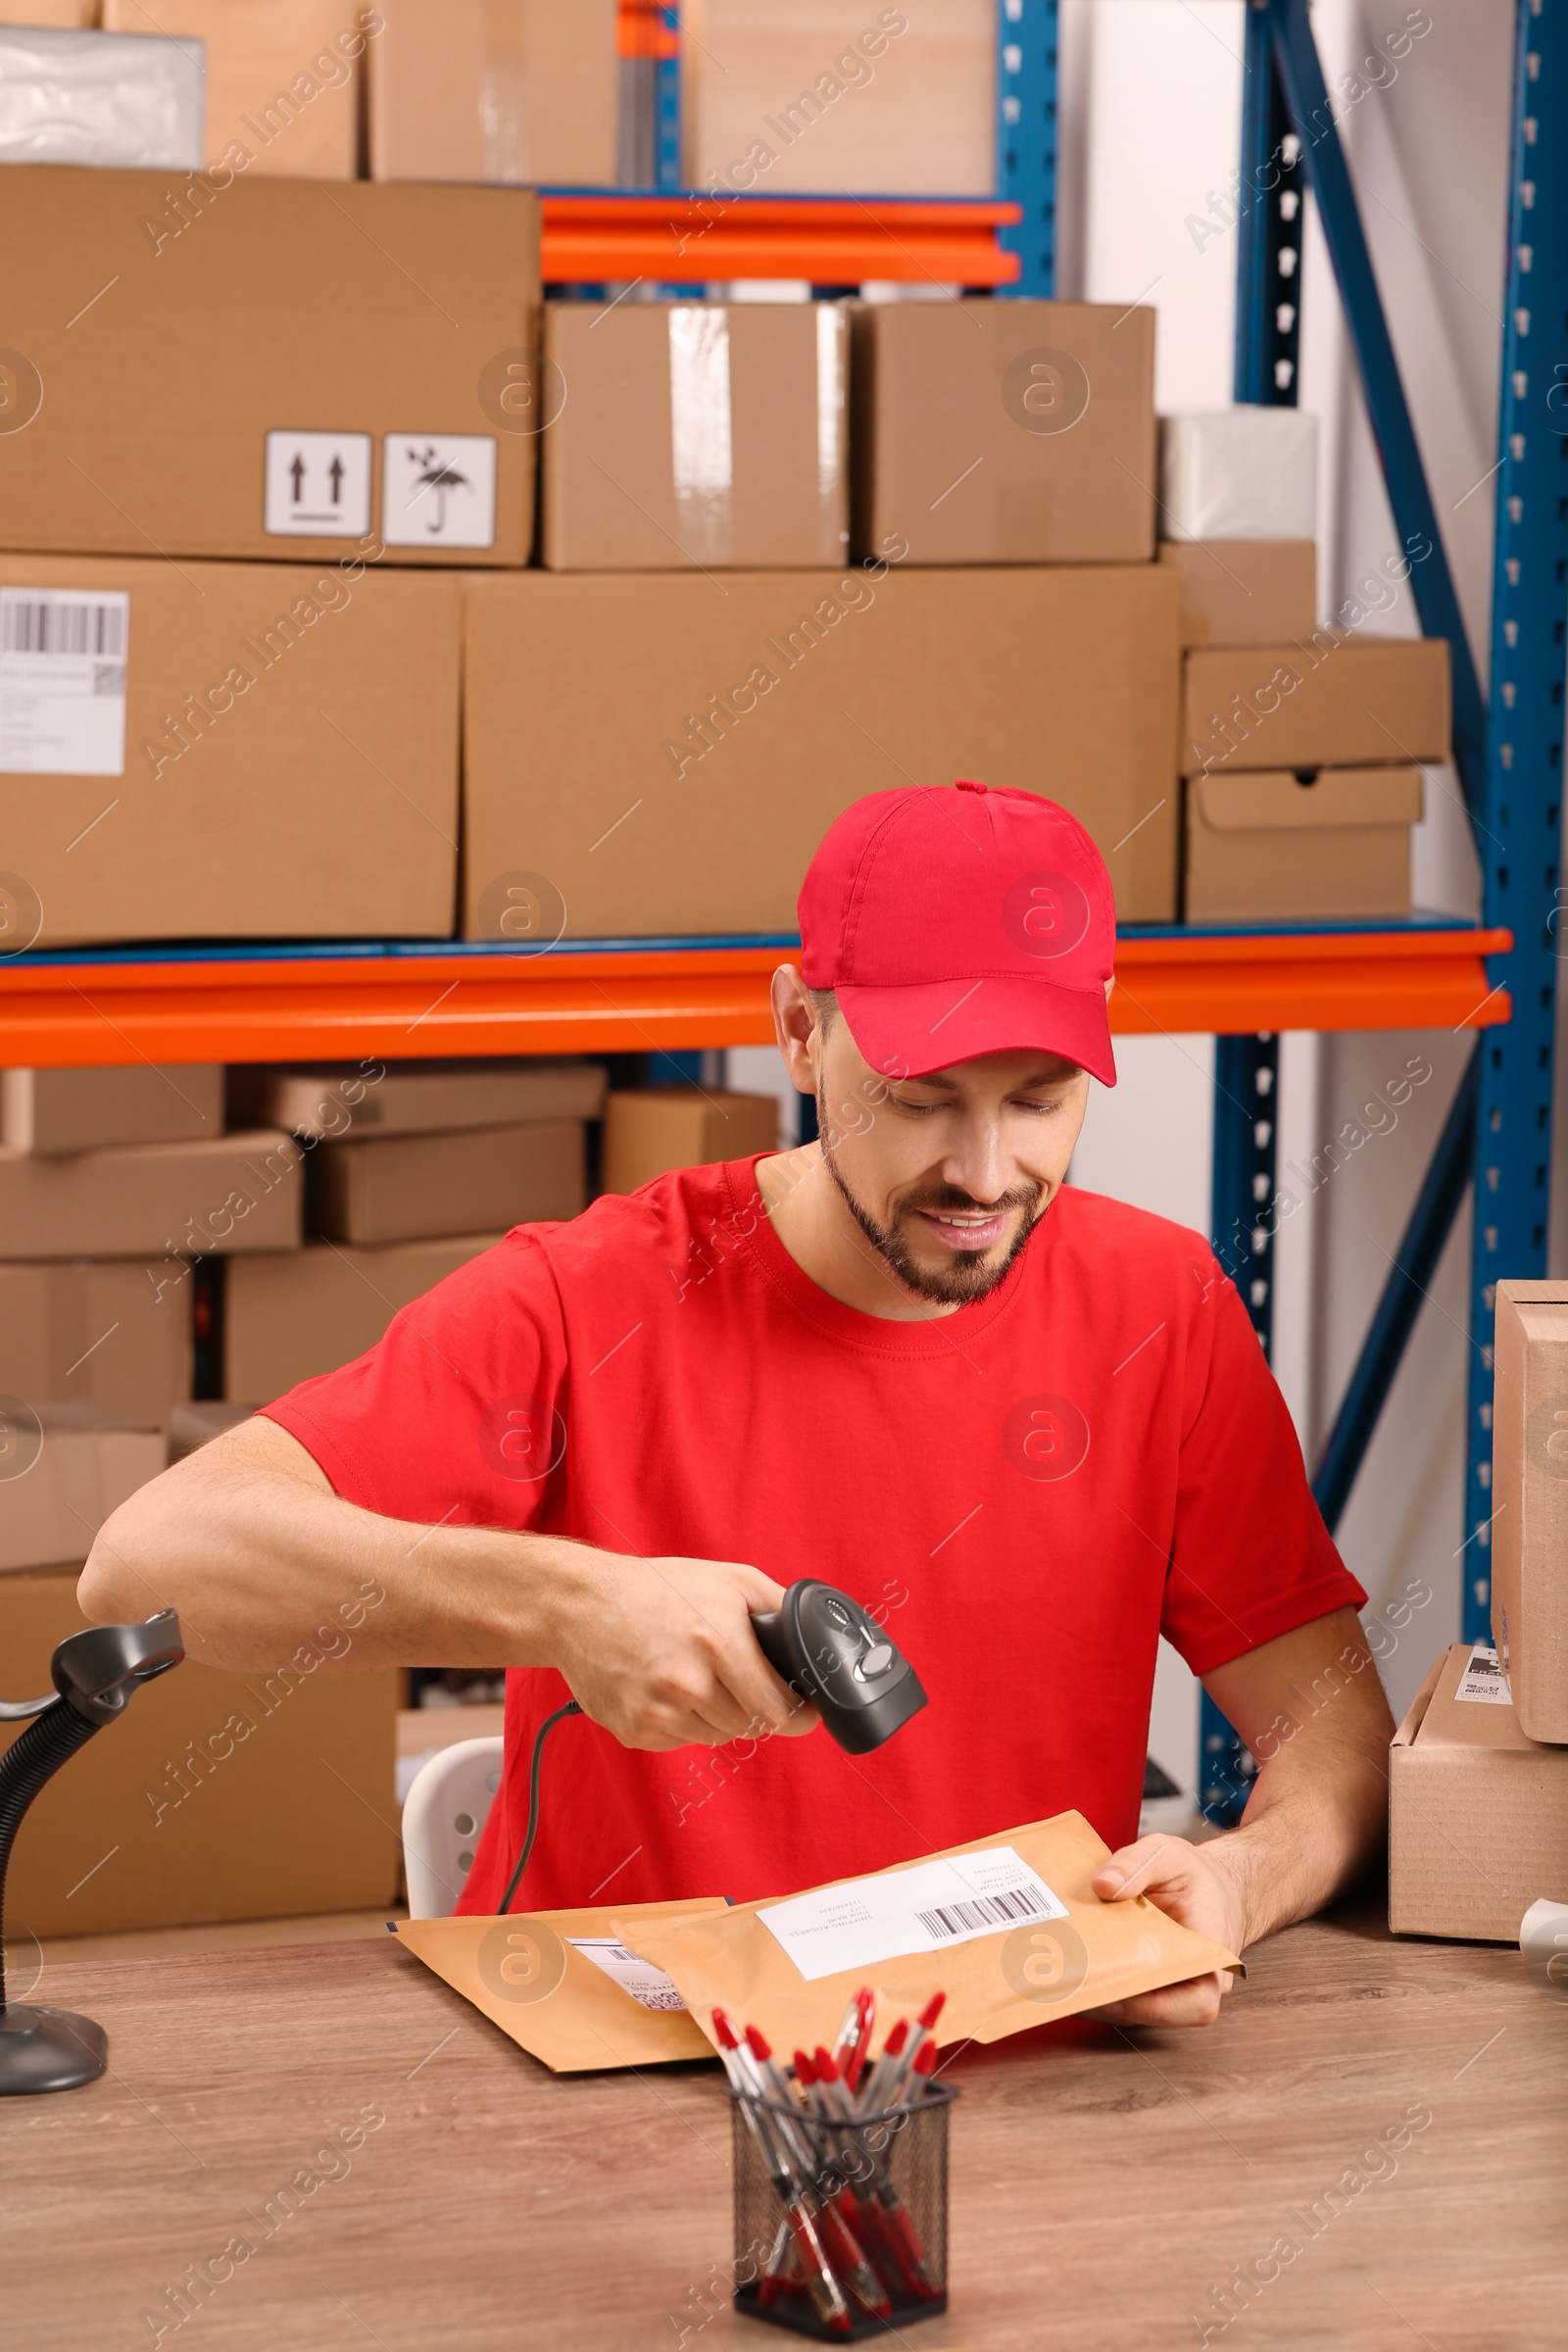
(954,921)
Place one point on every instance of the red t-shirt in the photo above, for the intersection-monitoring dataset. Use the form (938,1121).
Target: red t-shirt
(1027,1492)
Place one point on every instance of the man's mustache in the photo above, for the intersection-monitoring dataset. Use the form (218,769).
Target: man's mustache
(947,1197)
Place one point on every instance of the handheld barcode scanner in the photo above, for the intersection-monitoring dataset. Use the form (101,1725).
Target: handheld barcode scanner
(826,1647)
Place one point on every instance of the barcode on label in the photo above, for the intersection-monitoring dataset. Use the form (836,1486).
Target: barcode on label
(981,1911)
(45,625)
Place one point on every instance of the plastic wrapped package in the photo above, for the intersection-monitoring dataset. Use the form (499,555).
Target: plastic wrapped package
(1239,473)
(104,98)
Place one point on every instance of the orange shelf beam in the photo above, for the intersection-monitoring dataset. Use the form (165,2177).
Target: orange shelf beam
(831,240)
(336,1008)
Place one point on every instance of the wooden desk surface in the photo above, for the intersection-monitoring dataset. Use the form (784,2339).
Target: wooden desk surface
(1104,2183)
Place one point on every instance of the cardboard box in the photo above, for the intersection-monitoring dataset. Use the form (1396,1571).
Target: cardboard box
(1330,841)
(68,1466)
(1245,591)
(411,1188)
(683,787)
(282,759)
(1247,472)
(289,1319)
(1477,1815)
(85,1110)
(193,1425)
(76,97)
(650,1130)
(1334,701)
(296,368)
(96,1332)
(415,1098)
(215,1796)
(706,434)
(1530,1497)
(282,76)
(158,1202)
(791,99)
(1004,431)
(75,15)
(497,91)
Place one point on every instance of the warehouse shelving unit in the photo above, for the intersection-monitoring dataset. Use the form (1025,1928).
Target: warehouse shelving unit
(1244,985)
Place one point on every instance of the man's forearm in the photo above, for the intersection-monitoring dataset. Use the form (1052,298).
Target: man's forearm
(258,1560)
(1318,1816)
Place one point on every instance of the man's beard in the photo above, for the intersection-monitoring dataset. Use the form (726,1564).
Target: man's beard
(964,1279)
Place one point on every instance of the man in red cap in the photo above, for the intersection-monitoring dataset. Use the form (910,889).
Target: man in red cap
(1029,1428)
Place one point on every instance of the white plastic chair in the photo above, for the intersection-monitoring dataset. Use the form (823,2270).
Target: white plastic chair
(448,1804)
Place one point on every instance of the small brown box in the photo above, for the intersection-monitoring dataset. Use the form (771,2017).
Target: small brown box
(281,354)
(284,763)
(1004,431)
(1477,1815)
(85,1461)
(1530,1502)
(216,1796)
(158,1202)
(415,1098)
(1334,701)
(1330,842)
(291,1318)
(471,90)
(87,1109)
(282,76)
(809,99)
(409,1188)
(1245,591)
(696,434)
(683,788)
(651,1130)
(97,1332)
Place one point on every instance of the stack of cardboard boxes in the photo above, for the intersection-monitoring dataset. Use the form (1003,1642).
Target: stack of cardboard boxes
(409,1169)
(1479,1774)
(109,1181)
(1302,746)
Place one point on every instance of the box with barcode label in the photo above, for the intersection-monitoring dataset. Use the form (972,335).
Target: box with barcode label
(229,750)
(1477,1811)
(1528,1528)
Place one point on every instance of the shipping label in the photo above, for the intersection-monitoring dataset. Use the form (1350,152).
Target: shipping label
(926,1908)
(63,655)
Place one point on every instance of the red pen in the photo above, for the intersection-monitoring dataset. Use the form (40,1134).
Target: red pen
(800,2209)
(844,2247)
(911,2255)
(871,2095)
(853,2046)
(919,2038)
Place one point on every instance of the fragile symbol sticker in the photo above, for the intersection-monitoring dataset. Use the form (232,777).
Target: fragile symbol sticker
(62,681)
(318,486)
(438,490)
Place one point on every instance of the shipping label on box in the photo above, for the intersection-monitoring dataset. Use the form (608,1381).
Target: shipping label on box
(63,654)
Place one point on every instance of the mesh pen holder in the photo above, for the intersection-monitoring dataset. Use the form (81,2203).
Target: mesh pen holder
(841,2228)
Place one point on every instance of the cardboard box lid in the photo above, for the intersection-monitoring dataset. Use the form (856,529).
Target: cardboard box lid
(71,1420)
(1281,799)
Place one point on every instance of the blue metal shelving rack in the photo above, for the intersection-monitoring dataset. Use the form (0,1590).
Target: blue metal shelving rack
(1497,1142)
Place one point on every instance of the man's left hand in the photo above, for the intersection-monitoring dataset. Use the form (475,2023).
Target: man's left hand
(1192,1883)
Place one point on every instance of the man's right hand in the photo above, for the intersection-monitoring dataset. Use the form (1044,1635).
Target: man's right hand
(661,1652)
